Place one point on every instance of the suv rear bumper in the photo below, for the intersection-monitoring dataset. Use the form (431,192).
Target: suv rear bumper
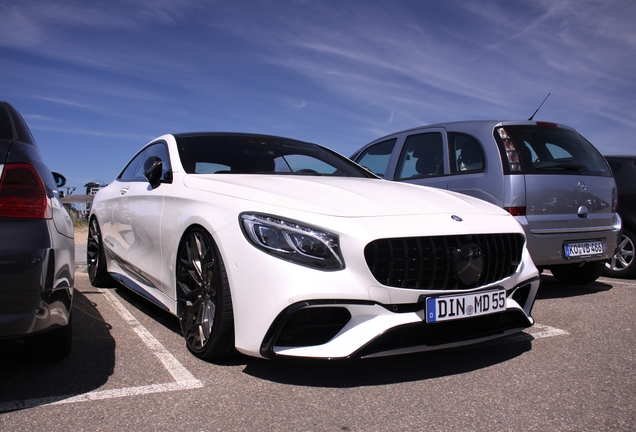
(23,313)
(36,279)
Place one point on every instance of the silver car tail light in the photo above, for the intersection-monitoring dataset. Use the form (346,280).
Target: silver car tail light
(514,161)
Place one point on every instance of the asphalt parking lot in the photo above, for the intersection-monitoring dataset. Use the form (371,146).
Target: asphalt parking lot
(130,370)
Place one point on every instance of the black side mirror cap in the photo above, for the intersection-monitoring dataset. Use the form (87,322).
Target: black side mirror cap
(152,170)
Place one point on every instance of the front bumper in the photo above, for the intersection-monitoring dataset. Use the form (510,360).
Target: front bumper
(357,329)
(282,309)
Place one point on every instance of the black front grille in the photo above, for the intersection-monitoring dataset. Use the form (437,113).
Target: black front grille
(429,262)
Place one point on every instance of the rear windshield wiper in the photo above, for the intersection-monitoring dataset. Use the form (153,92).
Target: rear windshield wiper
(565,167)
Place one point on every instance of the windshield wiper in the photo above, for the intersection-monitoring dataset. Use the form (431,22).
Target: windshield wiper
(565,167)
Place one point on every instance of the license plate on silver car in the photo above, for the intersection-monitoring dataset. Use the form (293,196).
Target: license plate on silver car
(585,248)
(465,306)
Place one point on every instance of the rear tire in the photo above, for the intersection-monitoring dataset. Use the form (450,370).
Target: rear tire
(204,302)
(575,274)
(95,257)
(623,264)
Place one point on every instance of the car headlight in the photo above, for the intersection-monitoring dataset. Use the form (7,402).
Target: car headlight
(293,241)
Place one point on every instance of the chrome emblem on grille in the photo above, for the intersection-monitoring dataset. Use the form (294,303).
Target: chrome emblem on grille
(456,218)
(468,263)
(581,186)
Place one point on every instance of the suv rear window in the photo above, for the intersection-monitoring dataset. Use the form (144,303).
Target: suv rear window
(551,150)
(6,128)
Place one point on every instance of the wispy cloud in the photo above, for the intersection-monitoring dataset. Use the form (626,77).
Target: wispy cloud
(329,71)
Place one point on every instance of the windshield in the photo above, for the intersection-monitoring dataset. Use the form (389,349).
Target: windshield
(258,154)
(552,150)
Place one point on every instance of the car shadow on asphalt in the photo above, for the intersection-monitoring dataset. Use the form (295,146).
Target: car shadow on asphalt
(355,372)
(27,382)
(551,288)
(388,370)
(148,308)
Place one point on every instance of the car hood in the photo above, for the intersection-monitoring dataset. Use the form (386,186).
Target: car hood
(340,196)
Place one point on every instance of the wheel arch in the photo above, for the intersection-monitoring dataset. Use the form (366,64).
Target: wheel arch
(198,223)
(181,230)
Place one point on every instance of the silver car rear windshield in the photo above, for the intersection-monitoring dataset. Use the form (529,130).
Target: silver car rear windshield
(553,150)
(261,154)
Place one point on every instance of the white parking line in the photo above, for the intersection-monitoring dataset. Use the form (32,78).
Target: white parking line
(625,282)
(178,372)
(530,334)
(184,380)
(547,331)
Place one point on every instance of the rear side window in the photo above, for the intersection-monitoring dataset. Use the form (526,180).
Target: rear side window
(553,150)
(422,156)
(466,154)
(376,158)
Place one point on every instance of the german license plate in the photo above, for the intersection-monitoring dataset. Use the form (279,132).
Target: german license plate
(448,308)
(586,248)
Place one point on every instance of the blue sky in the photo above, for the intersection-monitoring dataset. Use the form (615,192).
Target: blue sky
(96,81)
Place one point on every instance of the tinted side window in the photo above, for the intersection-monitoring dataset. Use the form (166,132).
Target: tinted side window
(128,173)
(615,166)
(422,156)
(376,158)
(6,128)
(465,153)
(134,171)
(159,150)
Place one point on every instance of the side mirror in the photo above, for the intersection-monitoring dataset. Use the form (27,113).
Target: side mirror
(60,180)
(152,170)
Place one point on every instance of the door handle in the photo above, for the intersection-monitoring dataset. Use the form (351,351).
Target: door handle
(123,190)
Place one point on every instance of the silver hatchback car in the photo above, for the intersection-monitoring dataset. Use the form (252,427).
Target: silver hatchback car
(556,184)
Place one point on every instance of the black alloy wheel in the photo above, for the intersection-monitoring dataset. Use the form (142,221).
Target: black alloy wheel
(95,258)
(623,264)
(204,303)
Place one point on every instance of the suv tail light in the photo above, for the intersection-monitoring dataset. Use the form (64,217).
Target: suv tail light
(514,161)
(22,193)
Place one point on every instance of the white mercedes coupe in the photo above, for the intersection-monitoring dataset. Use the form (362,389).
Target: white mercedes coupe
(280,248)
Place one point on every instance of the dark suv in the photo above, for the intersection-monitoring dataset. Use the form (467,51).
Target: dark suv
(37,251)
(623,264)
(556,184)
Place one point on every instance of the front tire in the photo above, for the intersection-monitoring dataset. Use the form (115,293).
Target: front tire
(95,258)
(204,303)
(575,274)
(623,264)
